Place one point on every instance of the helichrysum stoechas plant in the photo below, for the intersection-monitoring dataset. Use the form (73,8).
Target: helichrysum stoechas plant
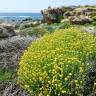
(56,64)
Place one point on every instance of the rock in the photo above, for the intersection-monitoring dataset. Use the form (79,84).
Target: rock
(64,20)
(27,19)
(55,15)
(90,29)
(51,15)
(72,7)
(79,20)
(35,23)
(67,14)
(28,24)
(6,31)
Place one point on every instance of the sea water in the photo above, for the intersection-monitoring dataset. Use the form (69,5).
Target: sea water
(19,16)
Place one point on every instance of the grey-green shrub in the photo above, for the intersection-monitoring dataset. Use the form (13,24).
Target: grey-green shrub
(38,32)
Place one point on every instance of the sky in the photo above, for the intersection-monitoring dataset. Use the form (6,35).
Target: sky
(37,5)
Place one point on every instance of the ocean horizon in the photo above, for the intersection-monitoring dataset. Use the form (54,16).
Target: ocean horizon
(19,16)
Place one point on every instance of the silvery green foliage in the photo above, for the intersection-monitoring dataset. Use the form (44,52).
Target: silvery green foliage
(25,32)
(13,89)
(11,50)
(6,31)
(16,41)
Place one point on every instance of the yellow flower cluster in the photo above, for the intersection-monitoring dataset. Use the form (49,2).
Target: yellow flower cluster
(56,64)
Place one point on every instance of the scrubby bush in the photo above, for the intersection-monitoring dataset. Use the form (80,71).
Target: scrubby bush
(57,64)
(59,18)
(64,25)
(26,25)
(94,20)
(25,32)
(5,76)
(55,26)
(50,28)
(66,9)
(93,14)
(38,32)
(10,51)
(94,23)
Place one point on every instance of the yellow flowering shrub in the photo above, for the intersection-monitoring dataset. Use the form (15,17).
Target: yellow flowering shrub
(56,64)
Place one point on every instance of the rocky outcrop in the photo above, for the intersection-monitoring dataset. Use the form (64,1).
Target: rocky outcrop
(76,15)
(79,20)
(51,15)
(6,31)
(27,24)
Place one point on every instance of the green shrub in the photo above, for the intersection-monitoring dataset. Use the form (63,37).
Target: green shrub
(53,27)
(26,25)
(5,76)
(94,20)
(57,64)
(66,9)
(25,32)
(64,25)
(59,18)
(38,32)
(94,23)
(93,14)
(50,28)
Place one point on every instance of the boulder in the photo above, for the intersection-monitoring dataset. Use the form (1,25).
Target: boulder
(64,20)
(28,24)
(52,15)
(79,20)
(55,15)
(68,13)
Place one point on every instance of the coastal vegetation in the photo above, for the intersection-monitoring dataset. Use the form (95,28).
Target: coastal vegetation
(57,64)
(94,20)
(54,56)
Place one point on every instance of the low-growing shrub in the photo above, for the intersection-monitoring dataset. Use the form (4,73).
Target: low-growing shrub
(64,26)
(57,64)
(38,32)
(50,28)
(25,32)
(5,76)
(26,25)
(59,18)
(94,23)
(93,14)
(94,20)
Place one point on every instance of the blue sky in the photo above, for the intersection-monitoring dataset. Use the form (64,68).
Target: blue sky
(37,5)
